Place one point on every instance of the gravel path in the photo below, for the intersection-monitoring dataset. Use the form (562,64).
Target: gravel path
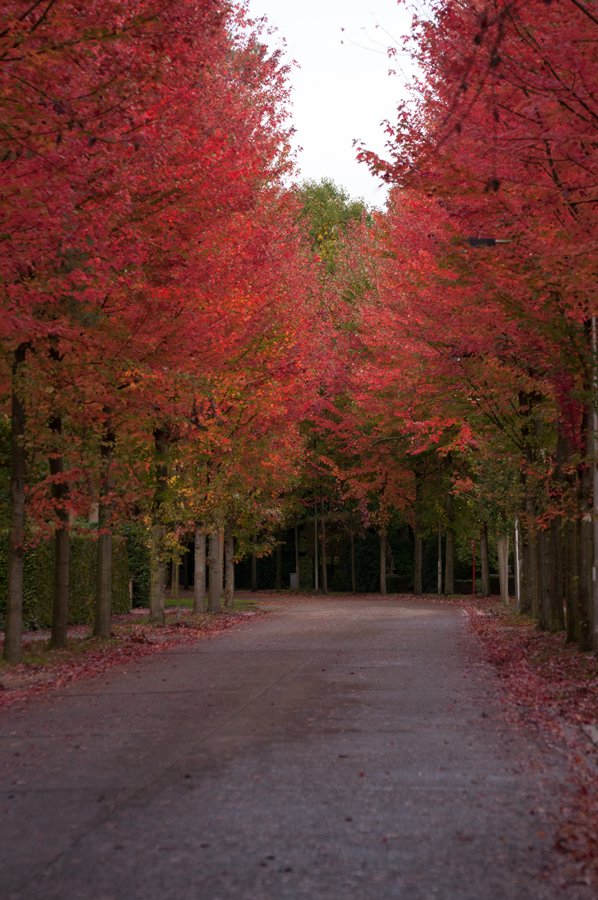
(333,749)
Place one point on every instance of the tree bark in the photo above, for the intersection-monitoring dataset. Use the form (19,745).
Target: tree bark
(16,538)
(103,607)
(439,563)
(517,554)
(62,545)
(158,570)
(316,542)
(418,564)
(103,610)
(571,580)
(278,576)
(297,558)
(544,580)
(199,579)
(158,530)
(324,554)
(586,559)
(216,559)
(418,557)
(229,572)
(484,561)
(502,542)
(352,550)
(449,566)
(174,576)
(529,588)
(253,575)
(449,547)
(383,538)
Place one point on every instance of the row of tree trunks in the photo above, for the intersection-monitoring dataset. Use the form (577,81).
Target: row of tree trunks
(60,493)
(214,574)
(556,578)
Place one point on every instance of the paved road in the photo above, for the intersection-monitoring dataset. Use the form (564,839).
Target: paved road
(335,749)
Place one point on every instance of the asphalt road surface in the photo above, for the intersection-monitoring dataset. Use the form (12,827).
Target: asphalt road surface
(333,750)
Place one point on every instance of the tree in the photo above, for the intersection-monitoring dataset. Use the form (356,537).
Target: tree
(510,328)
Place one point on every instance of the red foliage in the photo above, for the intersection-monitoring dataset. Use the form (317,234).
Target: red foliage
(553,688)
(87,658)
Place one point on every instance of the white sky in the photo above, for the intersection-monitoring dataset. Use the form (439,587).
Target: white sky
(342,90)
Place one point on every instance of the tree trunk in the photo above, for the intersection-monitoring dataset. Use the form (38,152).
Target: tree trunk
(517,549)
(529,585)
(103,610)
(158,570)
(383,538)
(103,607)
(199,579)
(449,566)
(556,567)
(174,576)
(558,574)
(278,576)
(216,558)
(544,580)
(418,564)
(352,550)
(316,542)
(484,562)
(297,558)
(449,546)
(571,580)
(439,563)
(502,542)
(253,572)
(586,559)
(593,416)
(60,607)
(16,538)
(62,545)
(324,555)
(229,572)
(418,558)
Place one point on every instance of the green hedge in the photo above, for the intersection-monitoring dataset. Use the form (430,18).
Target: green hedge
(39,581)
(139,561)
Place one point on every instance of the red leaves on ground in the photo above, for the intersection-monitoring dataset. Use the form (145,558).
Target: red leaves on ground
(88,658)
(552,687)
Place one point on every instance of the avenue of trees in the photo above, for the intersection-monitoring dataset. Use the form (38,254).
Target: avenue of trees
(197,350)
